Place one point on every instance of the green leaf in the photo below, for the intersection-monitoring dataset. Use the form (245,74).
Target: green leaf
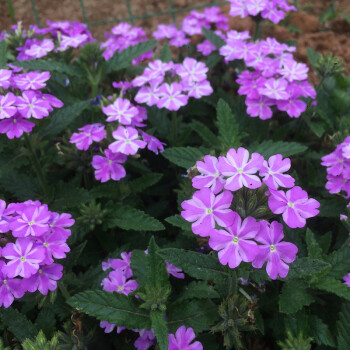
(144,182)
(106,190)
(197,265)
(294,297)
(306,267)
(334,286)
(18,324)
(212,60)
(160,329)
(69,196)
(204,132)
(340,261)
(61,118)
(229,135)
(313,248)
(139,262)
(51,66)
(198,290)
(213,38)
(46,320)
(269,148)
(320,332)
(74,255)
(179,221)
(198,314)
(111,307)
(343,326)
(312,55)
(331,207)
(121,60)
(129,218)
(185,157)
(3,57)
(316,127)
(165,53)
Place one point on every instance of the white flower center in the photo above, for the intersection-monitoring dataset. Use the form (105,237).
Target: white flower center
(209,211)
(272,248)
(290,204)
(235,240)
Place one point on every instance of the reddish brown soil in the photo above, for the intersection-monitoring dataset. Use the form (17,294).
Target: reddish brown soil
(333,36)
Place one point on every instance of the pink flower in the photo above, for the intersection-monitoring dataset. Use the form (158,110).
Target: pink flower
(346,279)
(192,71)
(72,41)
(259,107)
(109,167)
(148,95)
(275,88)
(153,144)
(239,169)
(88,134)
(273,170)
(204,209)
(7,108)
(5,78)
(182,339)
(294,205)
(210,175)
(59,222)
(40,50)
(272,250)
(171,97)
(32,221)
(145,341)
(55,246)
(116,282)
(15,126)
(44,280)
(199,89)
(30,104)
(31,80)
(122,264)
(294,71)
(121,110)
(334,162)
(174,271)
(235,243)
(24,258)
(127,141)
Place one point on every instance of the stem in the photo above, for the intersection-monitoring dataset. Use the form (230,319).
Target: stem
(64,290)
(257,32)
(36,165)
(296,4)
(333,6)
(174,126)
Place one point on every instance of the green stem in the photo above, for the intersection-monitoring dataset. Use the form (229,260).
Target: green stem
(174,126)
(64,290)
(333,6)
(257,32)
(296,4)
(36,165)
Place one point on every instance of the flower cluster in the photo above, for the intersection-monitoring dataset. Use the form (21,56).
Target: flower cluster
(214,205)
(338,168)
(121,37)
(169,85)
(32,237)
(274,78)
(125,120)
(23,101)
(274,10)
(120,280)
(60,37)
(192,25)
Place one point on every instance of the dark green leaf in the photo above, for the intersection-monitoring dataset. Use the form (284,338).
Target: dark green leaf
(340,261)
(160,329)
(197,265)
(179,221)
(129,218)
(316,127)
(198,290)
(165,53)
(313,248)
(320,332)
(312,55)
(111,307)
(269,148)
(144,182)
(204,132)
(343,327)
(139,262)
(332,207)
(294,296)
(3,57)
(185,157)
(212,60)
(334,286)
(213,38)
(305,267)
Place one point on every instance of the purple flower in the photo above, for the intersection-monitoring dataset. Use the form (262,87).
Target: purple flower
(55,246)
(275,88)
(127,141)
(33,221)
(72,41)
(294,71)
(192,71)
(40,50)
(346,279)
(174,271)
(121,110)
(171,97)
(145,341)
(153,144)
(273,170)
(109,167)
(294,205)
(7,108)
(116,282)
(210,175)
(199,89)
(204,209)
(334,162)
(88,133)
(4,219)
(31,80)
(122,264)
(235,243)
(239,169)
(59,222)
(182,339)
(10,288)
(24,258)
(15,126)
(5,78)
(31,105)
(148,95)
(259,107)
(272,250)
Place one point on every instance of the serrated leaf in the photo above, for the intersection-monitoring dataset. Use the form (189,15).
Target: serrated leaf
(197,314)
(313,248)
(213,38)
(51,66)
(334,286)
(197,265)
(179,221)
(46,320)
(340,261)
(269,148)
(320,332)
(198,290)
(312,55)
(316,127)
(184,157)
(111,307)
(305,267)
(69,196)
(73,256)
(212,60)
(294,297)
(18,324)
(121,60)
(204,132)
(129,218)
(160,329)
(139,266)
(3,55)
(343,326)
(106,190)
(143,182)
(165,53)
(229,136)
(61,118)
